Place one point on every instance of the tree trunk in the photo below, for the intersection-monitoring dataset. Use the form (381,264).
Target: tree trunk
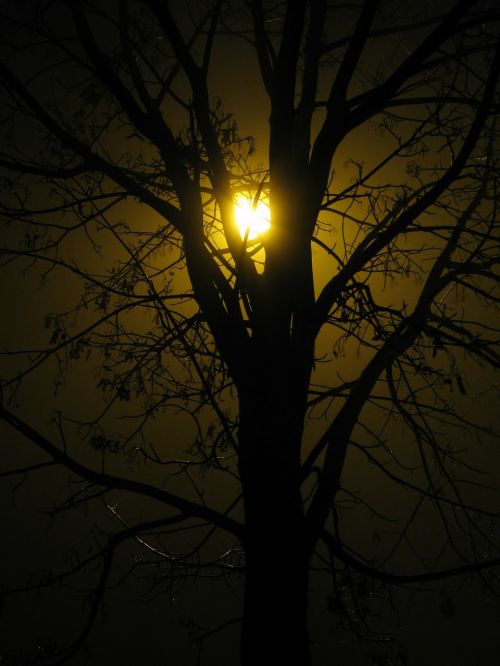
(275,606)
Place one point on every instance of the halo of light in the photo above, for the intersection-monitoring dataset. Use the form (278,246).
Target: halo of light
(255,220)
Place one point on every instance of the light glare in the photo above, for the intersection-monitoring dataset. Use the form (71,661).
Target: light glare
(254,220)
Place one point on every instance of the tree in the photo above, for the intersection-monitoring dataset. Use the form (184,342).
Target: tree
(367,301)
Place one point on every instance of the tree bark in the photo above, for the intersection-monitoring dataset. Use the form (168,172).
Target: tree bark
(275,606)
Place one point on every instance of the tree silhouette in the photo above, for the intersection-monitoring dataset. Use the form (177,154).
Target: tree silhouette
(248,385)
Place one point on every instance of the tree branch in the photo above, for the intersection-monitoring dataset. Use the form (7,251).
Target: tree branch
(188,508)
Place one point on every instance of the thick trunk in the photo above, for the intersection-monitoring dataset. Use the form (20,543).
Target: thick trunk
(275,607)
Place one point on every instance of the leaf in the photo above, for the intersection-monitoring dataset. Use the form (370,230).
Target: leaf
(123,393)
(460,385)
(447,607)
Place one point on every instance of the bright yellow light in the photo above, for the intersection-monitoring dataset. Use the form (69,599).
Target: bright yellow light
(256,220)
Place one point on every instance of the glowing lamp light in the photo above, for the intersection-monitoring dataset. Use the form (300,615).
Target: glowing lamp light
(254,220)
